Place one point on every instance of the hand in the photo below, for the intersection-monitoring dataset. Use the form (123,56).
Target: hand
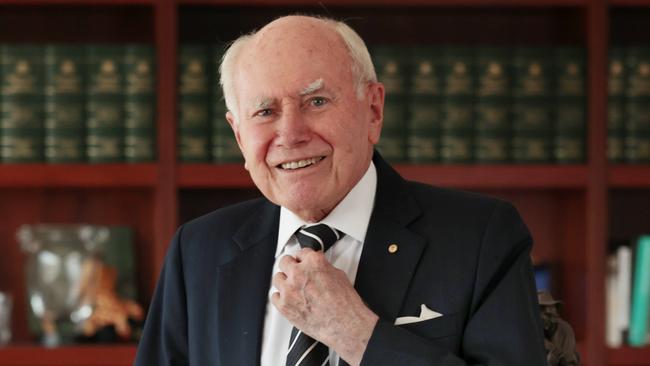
(318,299)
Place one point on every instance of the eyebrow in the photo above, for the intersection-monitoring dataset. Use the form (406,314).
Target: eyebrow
(316,85)
(263,103)
(313,87)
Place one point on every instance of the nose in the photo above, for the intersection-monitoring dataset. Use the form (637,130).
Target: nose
(292,128)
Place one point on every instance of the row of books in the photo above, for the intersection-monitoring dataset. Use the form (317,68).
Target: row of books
(63,103)
(627,288)
(629,104)
(96,103)
(483,104)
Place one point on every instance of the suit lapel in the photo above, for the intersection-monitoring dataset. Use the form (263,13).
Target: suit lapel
(383,277)
(245,282)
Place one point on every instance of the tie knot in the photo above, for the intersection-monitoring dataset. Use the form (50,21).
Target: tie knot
(318,237)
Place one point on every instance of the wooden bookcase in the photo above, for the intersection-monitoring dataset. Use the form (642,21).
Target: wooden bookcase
(571,209)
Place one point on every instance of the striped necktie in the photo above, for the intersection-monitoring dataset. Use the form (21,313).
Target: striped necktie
(303,349)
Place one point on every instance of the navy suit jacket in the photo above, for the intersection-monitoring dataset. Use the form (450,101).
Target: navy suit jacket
(463,255)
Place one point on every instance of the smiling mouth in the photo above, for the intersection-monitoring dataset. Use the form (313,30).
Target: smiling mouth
(298,164)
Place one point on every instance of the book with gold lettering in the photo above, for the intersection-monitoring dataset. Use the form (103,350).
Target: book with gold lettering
(570,124)
(21,104)
(637,104)
(533,117)
(193,104)
(392,68)
(425,105)
(105,103)
(65,115)
(139,103)
(493,123)
(457,125)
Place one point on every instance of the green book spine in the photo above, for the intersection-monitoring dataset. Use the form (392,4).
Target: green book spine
(425,106)
(392,144)
(392,65)
(105,104)
(569,137)
(21,116)
(457,123)
(637,105)
(615,105)
(64,104)
(193,104)
(532,106)
(423,143)
(224,144)
(492,128)
(139,104)
(640,307)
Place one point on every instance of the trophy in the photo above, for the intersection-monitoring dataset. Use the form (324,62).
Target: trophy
(62,268)
(80,283)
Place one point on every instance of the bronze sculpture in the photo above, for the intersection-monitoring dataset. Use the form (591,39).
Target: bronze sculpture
(559,339)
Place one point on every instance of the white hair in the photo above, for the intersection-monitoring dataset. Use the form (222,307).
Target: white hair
(363,71)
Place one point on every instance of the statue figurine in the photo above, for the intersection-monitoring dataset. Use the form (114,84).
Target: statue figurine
(110,309)
(559,339)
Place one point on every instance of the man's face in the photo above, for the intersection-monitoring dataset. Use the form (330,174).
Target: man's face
(306,136)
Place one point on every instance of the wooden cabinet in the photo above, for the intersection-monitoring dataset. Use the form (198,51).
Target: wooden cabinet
(570,209)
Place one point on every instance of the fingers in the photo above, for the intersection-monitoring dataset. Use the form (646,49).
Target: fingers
(275,299)
(278,280)
(286,263)
(309,255)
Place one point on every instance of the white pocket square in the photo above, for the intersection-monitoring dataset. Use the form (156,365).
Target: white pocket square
(425,314)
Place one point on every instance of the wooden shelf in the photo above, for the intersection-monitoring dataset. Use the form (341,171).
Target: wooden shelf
(78,2)
(628,356)
(459,176)
(77,175)
(629,176)
(213,176)
(498,176)
(30,355)
(642,3)
(391,3)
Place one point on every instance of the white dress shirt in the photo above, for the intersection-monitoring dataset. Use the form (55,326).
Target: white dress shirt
(350,216)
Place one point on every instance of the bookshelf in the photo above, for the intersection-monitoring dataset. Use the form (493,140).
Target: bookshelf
(571,209)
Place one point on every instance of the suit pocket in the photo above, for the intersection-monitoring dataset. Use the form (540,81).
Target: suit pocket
(440,327)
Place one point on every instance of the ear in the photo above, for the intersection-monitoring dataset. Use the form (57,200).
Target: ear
(376,93)
(235,127)
(230,117)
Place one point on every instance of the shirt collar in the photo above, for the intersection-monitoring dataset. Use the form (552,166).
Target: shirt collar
(350,216)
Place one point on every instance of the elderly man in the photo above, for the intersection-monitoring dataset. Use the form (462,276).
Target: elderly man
(343,262)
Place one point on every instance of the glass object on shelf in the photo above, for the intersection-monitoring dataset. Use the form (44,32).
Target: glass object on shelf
(5,318)
(62,269)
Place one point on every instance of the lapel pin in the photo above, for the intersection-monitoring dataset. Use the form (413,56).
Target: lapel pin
(392,248)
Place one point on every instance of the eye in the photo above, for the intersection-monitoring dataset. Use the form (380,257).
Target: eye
(263,112)
(318,101)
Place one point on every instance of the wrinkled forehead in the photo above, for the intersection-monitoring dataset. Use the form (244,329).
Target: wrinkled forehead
(292,57)
(307,40)
(298,29)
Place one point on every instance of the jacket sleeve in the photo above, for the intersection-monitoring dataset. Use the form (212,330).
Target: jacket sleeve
(164,339)
(503,326)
